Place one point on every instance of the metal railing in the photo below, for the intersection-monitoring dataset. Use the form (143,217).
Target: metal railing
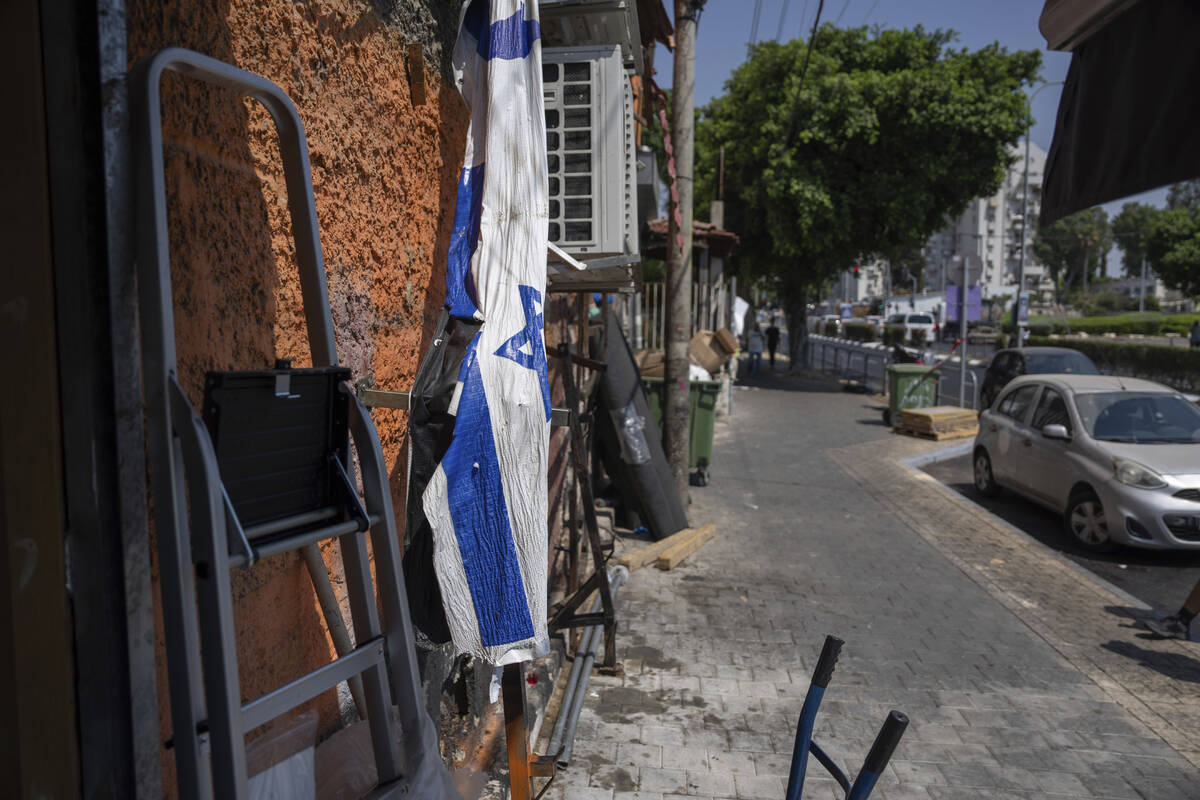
(948,384)
(866,363)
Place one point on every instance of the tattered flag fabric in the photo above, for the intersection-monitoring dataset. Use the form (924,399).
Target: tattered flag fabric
(486,502)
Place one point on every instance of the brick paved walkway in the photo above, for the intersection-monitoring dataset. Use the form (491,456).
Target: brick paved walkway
(1023,678)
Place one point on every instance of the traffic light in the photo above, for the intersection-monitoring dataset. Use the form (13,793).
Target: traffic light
(856,272)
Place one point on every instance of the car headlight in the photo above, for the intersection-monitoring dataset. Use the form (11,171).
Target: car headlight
(1131,473)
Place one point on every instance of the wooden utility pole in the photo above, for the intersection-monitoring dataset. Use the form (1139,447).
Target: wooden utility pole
(677,411)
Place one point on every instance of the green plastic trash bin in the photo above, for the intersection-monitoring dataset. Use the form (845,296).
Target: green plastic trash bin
(703,401)
(909,386)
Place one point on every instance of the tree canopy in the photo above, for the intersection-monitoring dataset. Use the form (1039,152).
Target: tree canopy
(1168,238)
(1072,244)
(891,132)
(1131,229)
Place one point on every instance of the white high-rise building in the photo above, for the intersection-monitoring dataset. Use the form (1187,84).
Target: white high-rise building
(860,284)
(991,228)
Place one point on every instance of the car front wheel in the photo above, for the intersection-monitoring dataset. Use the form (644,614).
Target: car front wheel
(985,481)
(1087,523)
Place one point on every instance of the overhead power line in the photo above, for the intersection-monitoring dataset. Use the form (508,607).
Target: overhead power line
(803,71)
(803,17)
(870,11)
(838,21)
(754,23)
(782,16)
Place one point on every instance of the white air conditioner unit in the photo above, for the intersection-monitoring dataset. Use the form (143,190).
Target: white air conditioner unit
(590,149)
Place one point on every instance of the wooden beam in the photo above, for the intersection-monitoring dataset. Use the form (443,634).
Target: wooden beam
(674,555)
(647,555)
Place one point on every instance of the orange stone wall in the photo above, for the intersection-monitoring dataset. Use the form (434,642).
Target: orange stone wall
(385,139)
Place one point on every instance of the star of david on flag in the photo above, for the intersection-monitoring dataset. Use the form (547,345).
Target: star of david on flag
(486,502)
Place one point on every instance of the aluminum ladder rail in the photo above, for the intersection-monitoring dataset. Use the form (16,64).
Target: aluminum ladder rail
(208,717)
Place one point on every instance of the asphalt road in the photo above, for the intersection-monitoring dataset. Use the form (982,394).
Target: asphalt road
(1160,578)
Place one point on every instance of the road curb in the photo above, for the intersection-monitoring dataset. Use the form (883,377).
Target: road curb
(914,464)
(1015,574)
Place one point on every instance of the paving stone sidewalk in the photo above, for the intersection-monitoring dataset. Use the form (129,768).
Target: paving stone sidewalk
(1023,679)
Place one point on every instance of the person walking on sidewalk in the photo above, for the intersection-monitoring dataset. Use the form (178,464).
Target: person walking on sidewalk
(754,346)
(1177,625)
(1194,334)
(772,341)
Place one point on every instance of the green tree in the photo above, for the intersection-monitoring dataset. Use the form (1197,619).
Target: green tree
(1173,247)
(1185,194)
(1131,228)
(890,132)
(1074,246)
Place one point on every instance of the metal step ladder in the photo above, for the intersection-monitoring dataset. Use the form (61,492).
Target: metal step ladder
(212,516)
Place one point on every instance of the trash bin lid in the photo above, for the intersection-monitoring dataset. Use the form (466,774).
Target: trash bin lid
(908,369)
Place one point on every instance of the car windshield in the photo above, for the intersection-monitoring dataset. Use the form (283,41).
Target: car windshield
(1145,418)
(920,319)
(1058,363)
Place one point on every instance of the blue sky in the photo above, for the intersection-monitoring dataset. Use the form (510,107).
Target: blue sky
(725,29)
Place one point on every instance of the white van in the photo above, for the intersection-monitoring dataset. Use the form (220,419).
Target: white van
(915,321)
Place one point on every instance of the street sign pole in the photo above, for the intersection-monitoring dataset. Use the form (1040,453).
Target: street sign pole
(962,331)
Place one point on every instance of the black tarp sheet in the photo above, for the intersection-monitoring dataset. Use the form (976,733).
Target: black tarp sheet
(1129,117)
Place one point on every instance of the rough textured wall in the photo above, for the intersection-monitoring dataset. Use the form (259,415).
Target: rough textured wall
(384,178)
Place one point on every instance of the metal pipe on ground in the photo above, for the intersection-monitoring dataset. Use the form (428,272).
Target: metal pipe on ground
(564,706)
(617,576)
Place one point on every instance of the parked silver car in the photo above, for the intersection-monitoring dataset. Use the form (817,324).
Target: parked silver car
(1119,458)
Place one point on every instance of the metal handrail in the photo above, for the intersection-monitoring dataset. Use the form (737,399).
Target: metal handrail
(952,397)
(837,356)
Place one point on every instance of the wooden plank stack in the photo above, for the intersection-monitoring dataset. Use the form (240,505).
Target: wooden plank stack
(939,422)
(668,553)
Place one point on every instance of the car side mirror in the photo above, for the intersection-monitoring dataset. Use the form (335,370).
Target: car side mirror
(1055,431)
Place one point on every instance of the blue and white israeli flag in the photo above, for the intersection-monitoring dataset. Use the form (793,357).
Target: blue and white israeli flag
(487,503)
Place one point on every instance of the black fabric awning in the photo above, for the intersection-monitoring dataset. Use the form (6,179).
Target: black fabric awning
(1129,118)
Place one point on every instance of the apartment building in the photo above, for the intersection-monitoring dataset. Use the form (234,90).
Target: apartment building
(992,227)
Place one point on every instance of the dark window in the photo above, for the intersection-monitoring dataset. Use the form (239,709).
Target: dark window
(555,208)
(1141,417)
(1051,410)
(551,118)
(555,186)
(1017,402)
(577,117)
(579,71)
(551,141)
(579,231)
(553,163)
(577,94)
(579,208)
(578,162)
(1071,362)
(579,185)
(549,73)
(579,140)
(555,233)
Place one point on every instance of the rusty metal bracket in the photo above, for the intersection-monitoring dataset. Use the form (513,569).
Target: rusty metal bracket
(522,768)
(382,398)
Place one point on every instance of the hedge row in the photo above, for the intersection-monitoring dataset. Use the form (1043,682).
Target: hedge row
(1177,367)
(867,332)
(859,331)
(1121,324)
